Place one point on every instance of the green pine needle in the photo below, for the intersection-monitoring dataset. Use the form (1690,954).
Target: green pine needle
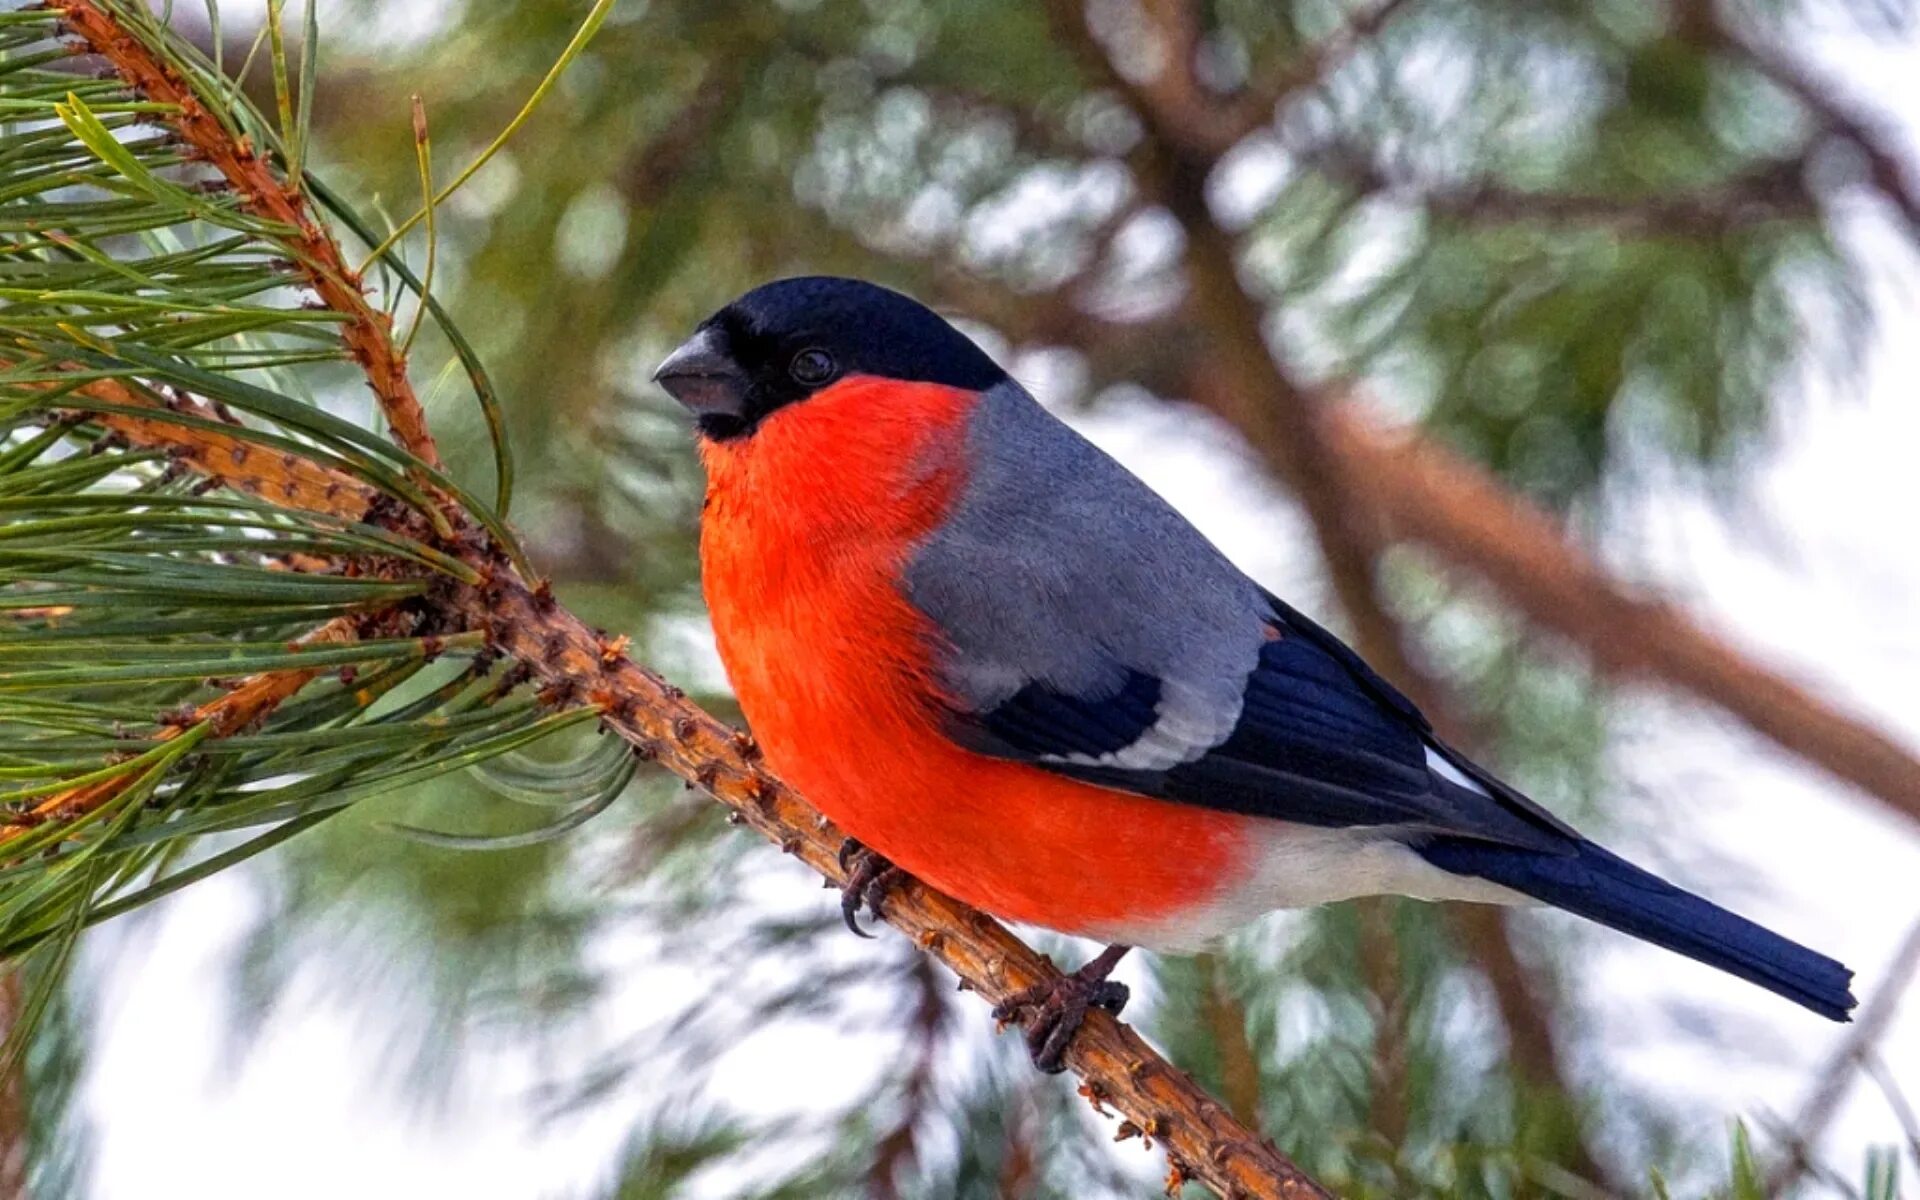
(160,678)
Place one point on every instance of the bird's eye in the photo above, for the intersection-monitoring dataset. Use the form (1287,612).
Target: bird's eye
(811,367)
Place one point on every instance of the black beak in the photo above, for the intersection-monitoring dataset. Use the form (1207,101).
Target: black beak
(701,376)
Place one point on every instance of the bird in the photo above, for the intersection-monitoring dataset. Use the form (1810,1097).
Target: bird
(1003,664)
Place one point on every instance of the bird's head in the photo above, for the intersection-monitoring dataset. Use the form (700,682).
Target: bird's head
(786,341)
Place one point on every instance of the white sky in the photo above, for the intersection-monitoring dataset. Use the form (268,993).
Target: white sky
(300,1117)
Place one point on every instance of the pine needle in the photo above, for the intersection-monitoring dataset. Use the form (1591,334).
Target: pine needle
(591,25)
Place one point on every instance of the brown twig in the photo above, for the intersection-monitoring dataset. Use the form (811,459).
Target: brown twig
(1774,193)
(247,702)
(1388,1105)
(275,476)
(1226,1019)
(1533,1045)
(367,332)
(1174,87)
(1018,1171)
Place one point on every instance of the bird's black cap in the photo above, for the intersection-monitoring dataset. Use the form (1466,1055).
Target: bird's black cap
(783,341)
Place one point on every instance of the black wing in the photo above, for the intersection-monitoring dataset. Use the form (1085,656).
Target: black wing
(1321,740)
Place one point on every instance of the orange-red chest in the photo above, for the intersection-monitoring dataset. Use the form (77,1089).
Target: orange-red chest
(809,525)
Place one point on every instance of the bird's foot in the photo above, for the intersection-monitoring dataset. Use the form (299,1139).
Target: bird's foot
(869,879)
(1054,1010)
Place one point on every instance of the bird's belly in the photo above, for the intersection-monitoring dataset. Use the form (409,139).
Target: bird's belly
(1020,843)
(856,730)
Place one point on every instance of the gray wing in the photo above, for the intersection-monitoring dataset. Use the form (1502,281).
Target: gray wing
(1093,632)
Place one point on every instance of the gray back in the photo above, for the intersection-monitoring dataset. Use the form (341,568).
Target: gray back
(1059,566)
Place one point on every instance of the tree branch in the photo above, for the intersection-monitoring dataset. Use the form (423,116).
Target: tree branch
(1426,494)
(283,479)
(1834,113)
(1226,1018)
(1773,192)
(1174,89)
(277,477)
(241,706)
(1255,107)
(368,332)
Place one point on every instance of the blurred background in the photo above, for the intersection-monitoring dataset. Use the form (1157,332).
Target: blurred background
(1649,268)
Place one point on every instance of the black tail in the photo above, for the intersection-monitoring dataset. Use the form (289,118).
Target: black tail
(1606,888)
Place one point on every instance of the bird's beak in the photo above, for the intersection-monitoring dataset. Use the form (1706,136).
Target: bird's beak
(702,376)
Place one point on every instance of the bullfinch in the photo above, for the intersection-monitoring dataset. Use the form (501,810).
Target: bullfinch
(999,660)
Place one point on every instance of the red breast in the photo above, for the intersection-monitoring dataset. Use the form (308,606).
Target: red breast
(808,528)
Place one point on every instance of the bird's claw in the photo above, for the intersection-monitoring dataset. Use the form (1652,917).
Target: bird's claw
(1053,1011)
(869,879)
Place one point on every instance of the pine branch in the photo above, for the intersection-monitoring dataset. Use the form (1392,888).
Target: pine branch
(1226,1017)
(282,477)
(245,704)
(368,333)
(1774,192)
(478,594)
(285,479)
